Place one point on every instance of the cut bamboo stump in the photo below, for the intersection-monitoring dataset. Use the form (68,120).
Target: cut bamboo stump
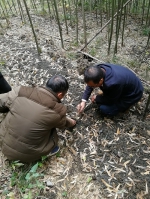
(147,104)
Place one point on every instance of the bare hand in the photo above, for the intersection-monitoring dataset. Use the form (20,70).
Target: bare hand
(93,98)
(81,106)
(71,122)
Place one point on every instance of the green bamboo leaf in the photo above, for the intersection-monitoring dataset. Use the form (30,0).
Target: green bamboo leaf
(89,179)
(34,168)
(28,176)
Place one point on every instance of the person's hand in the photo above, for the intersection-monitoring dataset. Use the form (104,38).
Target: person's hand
(72,122)
(93,98)
(81,106)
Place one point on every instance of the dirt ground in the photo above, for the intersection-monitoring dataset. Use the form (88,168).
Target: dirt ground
(100,157)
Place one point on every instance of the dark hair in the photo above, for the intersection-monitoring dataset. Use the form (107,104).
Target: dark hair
(57,83)
(94,74)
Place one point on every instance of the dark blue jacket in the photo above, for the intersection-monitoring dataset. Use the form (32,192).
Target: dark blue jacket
(121,87)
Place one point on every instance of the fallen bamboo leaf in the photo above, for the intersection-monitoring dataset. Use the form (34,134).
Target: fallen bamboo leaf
(118,131)
(106,184)
(125,163)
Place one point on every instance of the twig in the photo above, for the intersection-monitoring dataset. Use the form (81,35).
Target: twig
(88,55)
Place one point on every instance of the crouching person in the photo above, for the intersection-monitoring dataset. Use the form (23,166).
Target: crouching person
(29,129)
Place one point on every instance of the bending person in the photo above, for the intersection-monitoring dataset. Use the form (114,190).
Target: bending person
(29,129)
(120,86)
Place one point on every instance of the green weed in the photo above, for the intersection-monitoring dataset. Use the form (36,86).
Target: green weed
(92,52)
(89,179)
(146,31)
(64,194)
(26,179)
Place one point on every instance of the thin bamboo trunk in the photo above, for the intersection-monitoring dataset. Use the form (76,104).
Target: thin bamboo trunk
(148,41)
(119,17)
(84,23)
(5,16)
(49,9)
(10,8)
(76,13)
(4,3)
(123,26)
(143,6)
(38,48)
(14,6)
(112,24)
(32,4)
(59,26)
(90,5)
(147,17)
(64,10)
(96,11)
(70,13)
(101,13)
(1,26)
(104,26)
(21,11)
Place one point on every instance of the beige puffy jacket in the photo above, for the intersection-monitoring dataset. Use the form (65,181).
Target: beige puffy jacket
(29,129)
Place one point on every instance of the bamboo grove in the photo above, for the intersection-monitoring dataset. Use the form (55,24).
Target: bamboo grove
(116,13)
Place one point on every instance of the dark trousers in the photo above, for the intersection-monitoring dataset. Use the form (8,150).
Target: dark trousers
(111,110)
(4,86)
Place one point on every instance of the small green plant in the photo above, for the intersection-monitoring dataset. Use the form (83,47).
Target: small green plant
(146,30)
(71,55)
(26,179)
(64,194)
(115,59)
(2,62)
(89,179)
(133,63)
(92,52)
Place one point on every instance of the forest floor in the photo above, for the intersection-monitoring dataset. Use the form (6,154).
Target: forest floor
(100,158)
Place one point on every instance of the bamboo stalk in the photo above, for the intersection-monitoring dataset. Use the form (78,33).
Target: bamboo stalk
(70,13)
(76,13)
(59,26)
(49,9)
(21,11)
(1,26)
(119,17)
(64,10)
(143,5)
(4,4)
(5,16)
(9,6)
(14,6)
(32,4)
(112,24)
(123,26)
(96,11)
(84,23)
(147,17)
(103,27)
(38,48)
(147,104)
(148,41)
